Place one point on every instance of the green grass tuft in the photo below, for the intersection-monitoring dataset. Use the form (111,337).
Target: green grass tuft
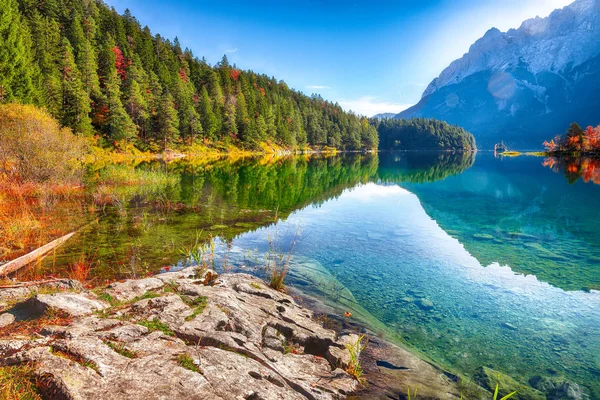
(198,303)
(187,362)
(122,350)
(156,325)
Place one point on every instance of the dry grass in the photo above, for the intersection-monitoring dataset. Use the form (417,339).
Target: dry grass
(80,270)
(33,326)
(18,383)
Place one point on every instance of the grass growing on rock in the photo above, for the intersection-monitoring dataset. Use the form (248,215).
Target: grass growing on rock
(354,366)
(33,326)
(122,350)
(18,383)
(198,303)
(187,362)
(74,357)
(156,325)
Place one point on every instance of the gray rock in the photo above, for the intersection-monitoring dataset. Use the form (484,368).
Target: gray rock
(239,345)
(25,291)
(71,303)
(132,288)
(6,319)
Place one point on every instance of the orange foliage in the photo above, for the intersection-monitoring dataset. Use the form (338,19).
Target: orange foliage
(235,74)
(80,270)
(589,142)
(586,168)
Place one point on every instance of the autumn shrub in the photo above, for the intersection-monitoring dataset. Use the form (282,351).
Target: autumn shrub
(35,148)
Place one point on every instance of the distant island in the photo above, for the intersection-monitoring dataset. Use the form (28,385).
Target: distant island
(422,134)
(576,141)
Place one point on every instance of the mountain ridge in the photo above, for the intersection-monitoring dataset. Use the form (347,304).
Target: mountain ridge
(539,76)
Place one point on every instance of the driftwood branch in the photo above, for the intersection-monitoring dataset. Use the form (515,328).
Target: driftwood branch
(22,261)
(32,283)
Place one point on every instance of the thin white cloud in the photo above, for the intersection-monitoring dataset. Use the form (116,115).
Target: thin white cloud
(369,106)
(232,50)
(318,87)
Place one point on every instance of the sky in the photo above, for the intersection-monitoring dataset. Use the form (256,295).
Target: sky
(369,56)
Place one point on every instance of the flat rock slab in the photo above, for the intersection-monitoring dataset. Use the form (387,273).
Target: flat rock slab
(234,339)
(132,288)
(72,303)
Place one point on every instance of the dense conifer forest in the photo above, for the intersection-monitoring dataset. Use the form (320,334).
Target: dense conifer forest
(105,76)
(422,134)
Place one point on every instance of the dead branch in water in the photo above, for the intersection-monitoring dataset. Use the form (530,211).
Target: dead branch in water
(22,261)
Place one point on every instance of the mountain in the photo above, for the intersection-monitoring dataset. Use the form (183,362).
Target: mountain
(384,115)
(525,85)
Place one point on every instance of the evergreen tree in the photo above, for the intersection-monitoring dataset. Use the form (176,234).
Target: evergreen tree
(127,74)
(115,121)
(209,120)
(17,72)
(75,101)
(168,122)
(136,103)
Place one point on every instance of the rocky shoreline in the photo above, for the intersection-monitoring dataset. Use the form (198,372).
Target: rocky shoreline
(178,335)
(196,335)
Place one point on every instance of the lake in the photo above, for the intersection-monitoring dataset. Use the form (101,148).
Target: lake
(471,259)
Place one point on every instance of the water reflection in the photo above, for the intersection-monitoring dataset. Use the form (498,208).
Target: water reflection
(575,168)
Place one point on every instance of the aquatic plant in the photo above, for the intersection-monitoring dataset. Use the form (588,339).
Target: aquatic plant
(278,264)
(505,397)
(414,396)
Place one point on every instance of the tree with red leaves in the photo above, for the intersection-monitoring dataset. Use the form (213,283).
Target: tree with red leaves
(235,74)
(120,62)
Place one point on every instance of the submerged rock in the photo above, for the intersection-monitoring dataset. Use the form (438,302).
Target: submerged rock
(558,388)
(488,378)
(424,304)
(483,236)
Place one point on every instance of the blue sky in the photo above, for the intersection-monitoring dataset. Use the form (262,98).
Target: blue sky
(370,56)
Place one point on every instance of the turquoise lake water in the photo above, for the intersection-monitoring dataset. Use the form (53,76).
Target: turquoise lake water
(491,267)
(471,259)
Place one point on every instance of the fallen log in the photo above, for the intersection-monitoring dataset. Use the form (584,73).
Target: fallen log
(19,285)
(22,261)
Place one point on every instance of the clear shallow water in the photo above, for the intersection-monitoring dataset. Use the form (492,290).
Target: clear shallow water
(476,261)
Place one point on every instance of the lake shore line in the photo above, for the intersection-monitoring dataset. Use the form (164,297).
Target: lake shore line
(194,334)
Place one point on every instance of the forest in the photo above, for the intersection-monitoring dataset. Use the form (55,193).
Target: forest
(108,78)
(422,134)
(576,140)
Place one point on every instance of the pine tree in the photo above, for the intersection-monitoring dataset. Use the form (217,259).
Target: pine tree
(229,123)
(87,61)
(17,71)
(209,120)
(46,38)
(116,123)
(185,95)
(242,119)
(136,103)
(168,122)
(75,101)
